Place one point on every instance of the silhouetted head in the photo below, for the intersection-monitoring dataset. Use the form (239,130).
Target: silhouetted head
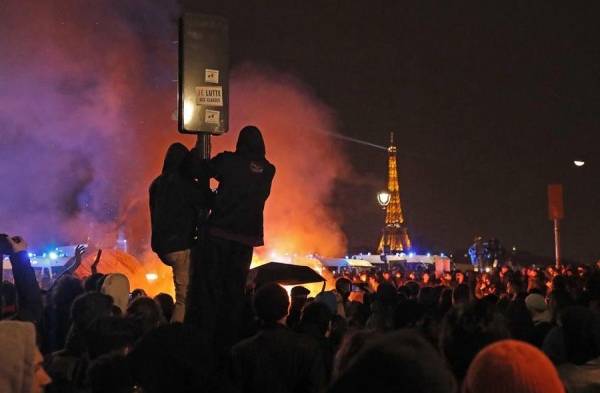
(88,307)
(166,303)
(317,315)
(66,289)
(343,286)
(146,313)
(170,359)
(271,303)
(467,329)
(175,156)
(250,143)
(418,368)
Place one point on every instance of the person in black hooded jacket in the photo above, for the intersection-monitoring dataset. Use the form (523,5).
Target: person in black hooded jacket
(175,199)
(235,227)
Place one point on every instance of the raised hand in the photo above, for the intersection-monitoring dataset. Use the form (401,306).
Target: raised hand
(17,244)
(96,262)
(79,251)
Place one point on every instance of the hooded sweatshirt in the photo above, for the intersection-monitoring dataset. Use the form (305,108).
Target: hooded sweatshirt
(174,201)
(17,349)
(116,285)
(245,178)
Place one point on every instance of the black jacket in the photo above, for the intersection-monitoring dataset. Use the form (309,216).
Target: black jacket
(175,199)
(29,296)
(245,178)
(278,360)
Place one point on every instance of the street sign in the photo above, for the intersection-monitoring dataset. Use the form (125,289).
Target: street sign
(555,202)
(203,94)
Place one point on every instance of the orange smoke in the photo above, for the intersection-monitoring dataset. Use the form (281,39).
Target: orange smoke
(86,108)
(297,216)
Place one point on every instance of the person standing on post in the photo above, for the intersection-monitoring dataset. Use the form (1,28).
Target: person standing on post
(174,202)
(235,227)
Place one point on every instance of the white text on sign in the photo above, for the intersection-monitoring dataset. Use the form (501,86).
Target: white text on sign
(209,95)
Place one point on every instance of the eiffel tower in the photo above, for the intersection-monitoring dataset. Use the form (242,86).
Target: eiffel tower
(395,233)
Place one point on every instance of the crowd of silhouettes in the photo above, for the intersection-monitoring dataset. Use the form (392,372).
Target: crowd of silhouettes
(537,330)
(391,329)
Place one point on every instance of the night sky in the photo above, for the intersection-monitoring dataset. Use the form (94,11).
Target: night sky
(490,102)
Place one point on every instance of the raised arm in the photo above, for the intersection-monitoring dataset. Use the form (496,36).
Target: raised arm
(28,290)
(96,262)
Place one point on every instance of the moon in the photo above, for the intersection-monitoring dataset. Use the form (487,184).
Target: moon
(579,163)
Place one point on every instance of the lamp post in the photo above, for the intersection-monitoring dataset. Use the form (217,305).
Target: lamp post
(383,198)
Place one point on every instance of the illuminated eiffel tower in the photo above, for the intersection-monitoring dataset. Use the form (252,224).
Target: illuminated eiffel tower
(395,233)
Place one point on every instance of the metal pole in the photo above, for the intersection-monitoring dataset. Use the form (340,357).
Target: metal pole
(203,145)
(203,153)
(557,242)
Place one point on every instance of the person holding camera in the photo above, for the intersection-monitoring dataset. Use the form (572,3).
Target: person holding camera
(28,304)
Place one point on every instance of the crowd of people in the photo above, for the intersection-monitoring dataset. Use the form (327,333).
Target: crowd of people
(505,329)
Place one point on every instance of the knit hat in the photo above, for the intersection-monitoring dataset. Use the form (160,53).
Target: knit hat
(117,286)
(536,302)
(17,346)
(512,366)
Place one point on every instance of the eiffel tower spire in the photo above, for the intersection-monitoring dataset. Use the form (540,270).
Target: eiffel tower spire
(395,233)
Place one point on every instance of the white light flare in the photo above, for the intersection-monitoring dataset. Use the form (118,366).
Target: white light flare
(188,112)
(151,277)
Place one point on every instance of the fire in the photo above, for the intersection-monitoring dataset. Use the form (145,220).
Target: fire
(104,96)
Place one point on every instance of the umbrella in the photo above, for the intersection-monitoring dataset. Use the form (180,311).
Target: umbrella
(284,274)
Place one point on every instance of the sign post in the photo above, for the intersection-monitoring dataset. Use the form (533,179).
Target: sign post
(556,213)
(203,88)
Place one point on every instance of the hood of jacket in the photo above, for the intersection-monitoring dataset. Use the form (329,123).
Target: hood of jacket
(250,143)
(116,285)
(17,346)
(176,155)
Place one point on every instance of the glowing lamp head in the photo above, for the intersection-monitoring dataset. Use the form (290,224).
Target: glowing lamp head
(383,198)
(52,255)
(579,163)
(151,277)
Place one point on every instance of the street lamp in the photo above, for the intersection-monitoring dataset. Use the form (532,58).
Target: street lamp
(383,198)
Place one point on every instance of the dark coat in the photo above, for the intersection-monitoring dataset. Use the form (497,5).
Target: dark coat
(29,296)
(245,178)
(175,199)
(278,360)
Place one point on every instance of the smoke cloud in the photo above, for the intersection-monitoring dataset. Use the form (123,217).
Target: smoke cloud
(87,93)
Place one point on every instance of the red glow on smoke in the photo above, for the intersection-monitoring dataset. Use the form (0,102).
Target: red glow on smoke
(86,102)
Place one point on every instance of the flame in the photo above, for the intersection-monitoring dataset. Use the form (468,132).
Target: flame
(102,86)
